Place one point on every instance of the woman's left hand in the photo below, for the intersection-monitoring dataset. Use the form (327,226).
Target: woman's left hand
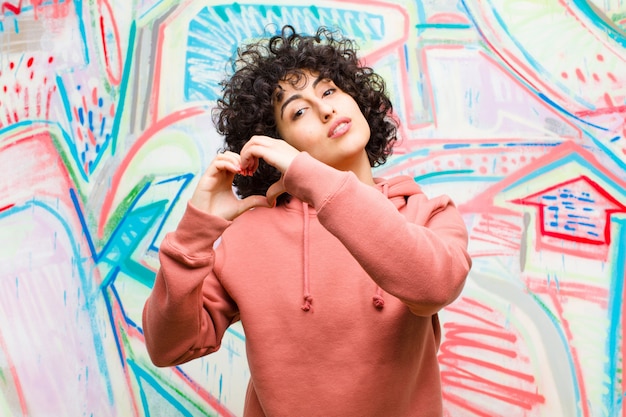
(275,152)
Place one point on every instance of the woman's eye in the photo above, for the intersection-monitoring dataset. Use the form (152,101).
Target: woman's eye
(328,92)
(298,113)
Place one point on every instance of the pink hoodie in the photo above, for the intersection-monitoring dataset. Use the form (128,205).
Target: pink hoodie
(338,293)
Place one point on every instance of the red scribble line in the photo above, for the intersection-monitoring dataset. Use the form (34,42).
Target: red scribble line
(606,110)
(204,394)
(79,131)
(617,208)
(484,201)
(132,152)
(520,64)
(489,217)
(16,381)
(513,396)
(488,254)
(5,208)
(115,78)
(75,110)
(26,103)
(498,230)
(35,3)
(452,336)
(49,101)
(448,18)
(396,49)
(489,236)
(452,362)
(540,86)
(475,303)
(509,395)
(463,403)
(519,394)
(38,101)
(91,137)
(455,376)
(15,9)
(85,108)
(472,316)
(570,289)
(501,242)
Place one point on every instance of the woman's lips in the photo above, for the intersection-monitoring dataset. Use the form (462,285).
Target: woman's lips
(339,127)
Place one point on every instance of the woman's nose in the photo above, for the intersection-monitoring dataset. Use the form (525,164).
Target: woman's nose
(326,110)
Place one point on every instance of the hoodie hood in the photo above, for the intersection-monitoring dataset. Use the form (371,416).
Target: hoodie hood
(398,189)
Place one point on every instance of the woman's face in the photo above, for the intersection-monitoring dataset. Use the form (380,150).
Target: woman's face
(315,116)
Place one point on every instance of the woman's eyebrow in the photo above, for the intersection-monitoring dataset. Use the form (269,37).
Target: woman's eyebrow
(289,100)
(280,95)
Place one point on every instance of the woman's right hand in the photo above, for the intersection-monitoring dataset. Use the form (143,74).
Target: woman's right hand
(214,193)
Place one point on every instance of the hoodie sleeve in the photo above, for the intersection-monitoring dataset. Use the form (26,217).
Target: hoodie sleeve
(419,256)
(188,310)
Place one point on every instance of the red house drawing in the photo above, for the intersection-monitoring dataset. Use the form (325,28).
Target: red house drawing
(575,196)
(578,210)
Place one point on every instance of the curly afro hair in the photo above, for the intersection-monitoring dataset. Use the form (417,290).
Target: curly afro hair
(246,107)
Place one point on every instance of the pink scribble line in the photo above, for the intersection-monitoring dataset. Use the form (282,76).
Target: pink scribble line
(117,316)
(602,39)
(577,368)
(16,380)
(588,293)
(460,337)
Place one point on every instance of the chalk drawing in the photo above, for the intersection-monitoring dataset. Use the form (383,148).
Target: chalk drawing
(516,108)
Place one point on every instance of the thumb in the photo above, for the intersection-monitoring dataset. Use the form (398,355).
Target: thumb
(274,191)
(254,201)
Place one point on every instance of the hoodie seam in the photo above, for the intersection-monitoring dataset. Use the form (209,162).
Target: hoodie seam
(329,197)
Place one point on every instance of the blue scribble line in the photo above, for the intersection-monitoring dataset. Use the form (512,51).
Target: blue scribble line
(567,199)
(87,289)
(143,375)
(535,64)
(613,395)
(217,30)
(601,22)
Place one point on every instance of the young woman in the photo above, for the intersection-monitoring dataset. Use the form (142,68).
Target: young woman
(336,276)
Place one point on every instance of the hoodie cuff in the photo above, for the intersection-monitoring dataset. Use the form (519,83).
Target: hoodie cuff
(196,233)
(313,181)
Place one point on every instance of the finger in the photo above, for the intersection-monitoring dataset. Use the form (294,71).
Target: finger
(255,201)
(228,161)
(249,164)
(258,147)
(274,191)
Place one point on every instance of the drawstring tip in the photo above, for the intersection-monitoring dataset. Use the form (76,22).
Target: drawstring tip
(378,301)
(308,300)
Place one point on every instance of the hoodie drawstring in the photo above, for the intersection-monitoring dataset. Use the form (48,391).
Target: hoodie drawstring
(306,291)
(377,299)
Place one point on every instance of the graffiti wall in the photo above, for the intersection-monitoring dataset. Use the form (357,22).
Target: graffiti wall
(516,108)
